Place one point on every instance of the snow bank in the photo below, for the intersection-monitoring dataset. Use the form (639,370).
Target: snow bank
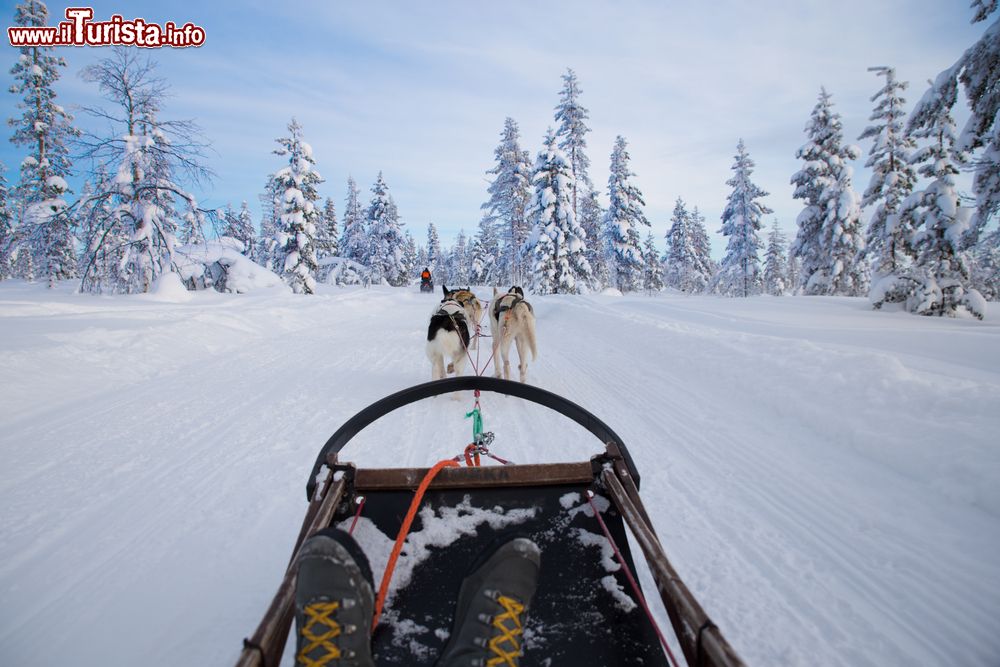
(221,266)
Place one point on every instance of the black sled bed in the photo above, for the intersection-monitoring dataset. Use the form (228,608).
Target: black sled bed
(584,611)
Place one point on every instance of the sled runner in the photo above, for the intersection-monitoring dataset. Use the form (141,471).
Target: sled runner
(586,610)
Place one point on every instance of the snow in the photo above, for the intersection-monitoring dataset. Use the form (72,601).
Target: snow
(822,476)
(57,183)
(169,288)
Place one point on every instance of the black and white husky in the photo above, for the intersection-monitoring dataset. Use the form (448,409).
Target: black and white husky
(447,339)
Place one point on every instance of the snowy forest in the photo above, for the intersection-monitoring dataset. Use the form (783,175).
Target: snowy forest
(912,238)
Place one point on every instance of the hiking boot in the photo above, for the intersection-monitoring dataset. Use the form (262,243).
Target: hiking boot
(492,607)
(334,603)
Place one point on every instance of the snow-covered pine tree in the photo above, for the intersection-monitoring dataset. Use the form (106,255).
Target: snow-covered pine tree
(103,247)
(510,193)
(986,271)
(622,222)
(942,224)
(137,224)
(739,274)
(484,255)
(385,237)
(572,132)
(239,226)
(556,246)
(299,217)
(410,257)
(979,71)
(591,220)
(679,257)
(652,276)
(43,128)
(327,243)
(888,247)
(458,261)
(6,227)
(354,240)
(794,275)
(704,266)
(775,263)
(270,211)
(435,257)
(829,241)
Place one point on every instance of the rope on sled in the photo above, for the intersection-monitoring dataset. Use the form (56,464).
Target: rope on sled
(631,579)
(404,530)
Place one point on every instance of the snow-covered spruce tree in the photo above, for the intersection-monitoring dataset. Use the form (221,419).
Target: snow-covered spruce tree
(270,201)
(979,71)
(679,258)
(6,227)
(591,221)
(704,266)
(410,256)
(485,255)
(942,224)
(354,240)
(101,247)
(510,193)
(137,222)
(986,269)
(794,275)
(739,274)
(327,243)
(572,132)
(829,240)
(775,263)
(43,128)
(652,275)
(299,218)
(888,247)
(622,223)
(239,226)
(385,237)
(556,246)
(458,261)
(435,256)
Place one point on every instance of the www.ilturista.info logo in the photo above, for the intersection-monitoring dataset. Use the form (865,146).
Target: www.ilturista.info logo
(80,30)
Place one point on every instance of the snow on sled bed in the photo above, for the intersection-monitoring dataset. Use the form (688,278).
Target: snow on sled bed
(584,612)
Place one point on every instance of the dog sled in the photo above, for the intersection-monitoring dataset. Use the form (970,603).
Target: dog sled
(587,609)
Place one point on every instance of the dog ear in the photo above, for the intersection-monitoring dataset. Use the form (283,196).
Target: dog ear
(495,291)
(444,289)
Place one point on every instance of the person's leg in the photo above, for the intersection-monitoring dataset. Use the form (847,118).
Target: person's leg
(492,607)
(334,602)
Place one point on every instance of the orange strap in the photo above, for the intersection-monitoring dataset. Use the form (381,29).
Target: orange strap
(471,449)
(404,530)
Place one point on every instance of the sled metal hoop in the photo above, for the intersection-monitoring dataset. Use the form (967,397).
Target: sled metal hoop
(384,406)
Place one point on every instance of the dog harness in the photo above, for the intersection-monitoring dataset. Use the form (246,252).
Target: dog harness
(502,305)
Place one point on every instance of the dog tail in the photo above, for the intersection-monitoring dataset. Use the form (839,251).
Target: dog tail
(531,336)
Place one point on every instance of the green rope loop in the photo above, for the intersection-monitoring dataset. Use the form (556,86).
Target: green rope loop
(477,423)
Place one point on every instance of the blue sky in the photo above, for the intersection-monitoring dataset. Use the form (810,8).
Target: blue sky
(420,91)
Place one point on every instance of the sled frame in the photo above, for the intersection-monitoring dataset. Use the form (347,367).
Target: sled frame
(701,641)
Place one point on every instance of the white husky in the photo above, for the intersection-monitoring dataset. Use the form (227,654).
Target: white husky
(512,319)
(447,339)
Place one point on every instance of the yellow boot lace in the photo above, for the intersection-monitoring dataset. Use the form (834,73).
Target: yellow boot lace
(506,645)
(318,630)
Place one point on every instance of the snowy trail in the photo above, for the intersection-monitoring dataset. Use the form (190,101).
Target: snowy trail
(823,477)
(756,505)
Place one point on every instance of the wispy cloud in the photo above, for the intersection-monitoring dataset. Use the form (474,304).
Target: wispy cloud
(420,90)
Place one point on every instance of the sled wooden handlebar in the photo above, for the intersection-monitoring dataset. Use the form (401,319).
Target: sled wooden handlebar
(382,407)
